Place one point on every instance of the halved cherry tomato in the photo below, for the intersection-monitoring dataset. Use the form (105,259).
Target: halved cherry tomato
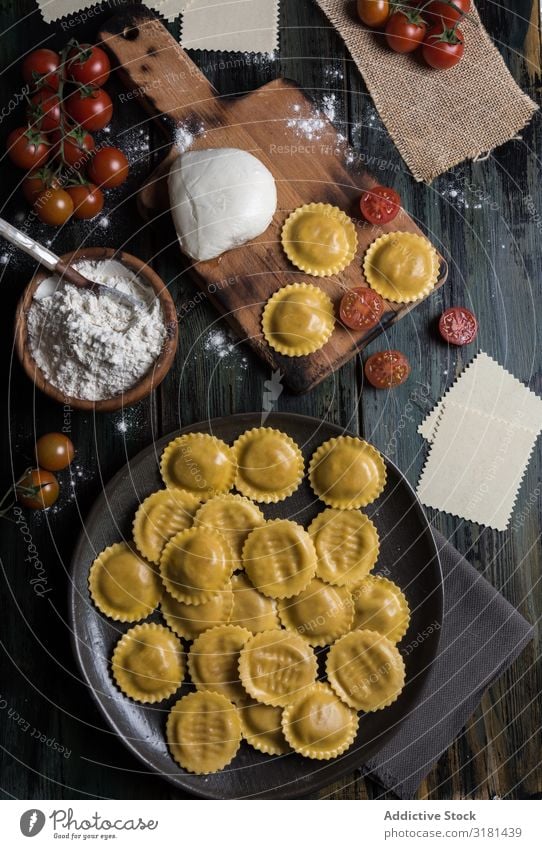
(38,182)
(458,326)
(380,205)
(28,148)
(89,65)
(40,68)
(108,168)
(443,48)
(440,11)
(54,451)
(387,369)
(405,31)
(361,309)
(87,199)
(44,111)
(373,13)
(54,206)
(90,107)
(37,489)
(74,146)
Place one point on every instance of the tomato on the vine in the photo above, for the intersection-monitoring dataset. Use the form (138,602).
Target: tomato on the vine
(41,68)
(88,200)
(380,205)
(440,11)
(387,369)
(37,489)
(88,65)
(443,47)
(90,107)
(361,308)
(108,168)
(54,451)
(75,146)
(405,30)
(44,111)
(38,182)
(373,13)
(54,206)
(28,148)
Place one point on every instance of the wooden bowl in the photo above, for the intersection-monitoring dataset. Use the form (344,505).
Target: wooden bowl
(148,382)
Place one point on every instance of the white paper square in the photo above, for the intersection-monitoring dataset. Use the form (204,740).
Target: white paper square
(52,10)
(170,9)
(475,466)
(249,26)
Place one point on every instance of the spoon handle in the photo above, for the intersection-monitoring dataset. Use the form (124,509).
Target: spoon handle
(28,245)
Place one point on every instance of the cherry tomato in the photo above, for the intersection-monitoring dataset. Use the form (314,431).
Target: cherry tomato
(27,148)
(73,147)
(380,205)
(405,31)
(88,65)
(44,112)
(440,11)
(90,107)
(108,168)
(38,182)
(54,206)
(443,48)
(361,309)
(373,13)
(87,199)
(37,489)
(387,369)
(458,326)
(40,68)
(54,451)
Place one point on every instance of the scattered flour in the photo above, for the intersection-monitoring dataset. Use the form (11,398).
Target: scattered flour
(185,135)
(92,347)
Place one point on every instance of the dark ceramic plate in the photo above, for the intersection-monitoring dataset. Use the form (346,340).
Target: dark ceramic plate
(408,556)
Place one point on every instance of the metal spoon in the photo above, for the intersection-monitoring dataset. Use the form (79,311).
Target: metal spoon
(64,271)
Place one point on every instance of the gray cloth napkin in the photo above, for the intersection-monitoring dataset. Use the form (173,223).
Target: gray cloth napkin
(481,635)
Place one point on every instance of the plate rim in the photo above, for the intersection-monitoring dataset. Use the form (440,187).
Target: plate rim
(82,539)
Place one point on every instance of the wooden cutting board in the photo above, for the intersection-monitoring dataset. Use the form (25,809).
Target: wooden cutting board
(308,160)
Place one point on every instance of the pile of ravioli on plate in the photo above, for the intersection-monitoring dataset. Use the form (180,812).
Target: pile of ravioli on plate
(252,599)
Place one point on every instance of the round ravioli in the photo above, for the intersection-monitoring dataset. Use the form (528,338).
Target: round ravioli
(191,620)
(319,725)
(279,558)
(402,267)
(276,666)
(298,320)
(379,605)
(213,661)
(195,565)
(203,732)
(347,545)
(262,728)
(366,670)
(200,464)
(233,516)
(269,465)
(320,239)
(162,515)
(252,609)
(123,585)
(148,663)
(347,472)
(320,613)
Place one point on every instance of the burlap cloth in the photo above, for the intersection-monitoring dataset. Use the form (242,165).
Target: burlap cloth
(436,118)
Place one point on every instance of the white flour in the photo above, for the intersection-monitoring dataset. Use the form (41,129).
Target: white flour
(91,347)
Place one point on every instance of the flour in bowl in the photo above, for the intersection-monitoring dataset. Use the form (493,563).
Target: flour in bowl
(92,347)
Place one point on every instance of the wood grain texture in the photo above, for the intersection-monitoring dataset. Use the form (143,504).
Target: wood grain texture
(481,219)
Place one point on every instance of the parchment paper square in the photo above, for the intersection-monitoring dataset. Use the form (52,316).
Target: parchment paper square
(249,26)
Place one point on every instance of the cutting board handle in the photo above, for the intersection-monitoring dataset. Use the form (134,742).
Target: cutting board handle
(155,69)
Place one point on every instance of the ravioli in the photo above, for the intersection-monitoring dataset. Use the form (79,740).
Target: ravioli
(347,545)
(232,516)
(318,724)
(195,565)
(148,663)
(380,606)
(402,267)
(191,620)
(346,472)
(366,670)
(298,320)
(200,464)
(269,465)
(320,613)
(159,517)
(279,558)
(276,667)
(319,239)
(123,585)
(203,732)
(213,661)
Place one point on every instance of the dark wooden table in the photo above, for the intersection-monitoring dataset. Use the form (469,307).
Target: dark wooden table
(485,217)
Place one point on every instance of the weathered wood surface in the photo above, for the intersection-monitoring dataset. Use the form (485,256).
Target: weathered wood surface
(484,217)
